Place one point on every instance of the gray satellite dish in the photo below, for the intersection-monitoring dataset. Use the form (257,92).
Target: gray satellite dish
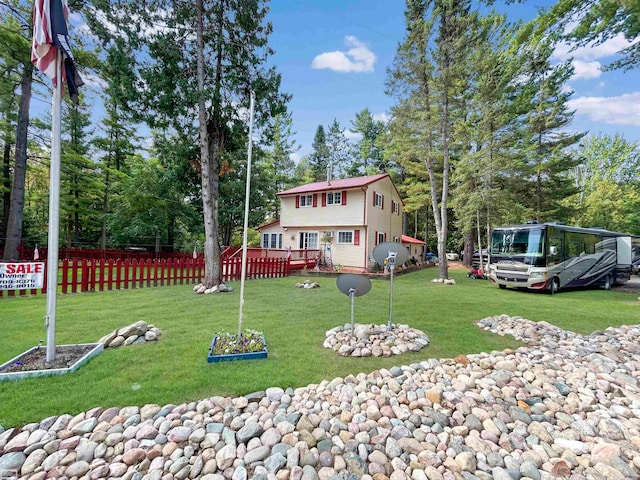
(354,286)
(390,254)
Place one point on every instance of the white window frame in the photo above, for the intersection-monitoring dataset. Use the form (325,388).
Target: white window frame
(268,240)
(345,232)
(306,200)
(380,238)
(395,207)
(334,198)
(304,241)
(379,198)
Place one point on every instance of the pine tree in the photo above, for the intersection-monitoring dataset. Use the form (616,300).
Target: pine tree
(339,150)
(226,53)
(368,147)
(278,164)
(547,163)
(15,26)
(319,158)
(427,77)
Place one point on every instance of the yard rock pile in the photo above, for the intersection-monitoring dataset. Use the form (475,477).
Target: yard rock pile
(134,334)
(562,406)
(308,284)
(374,340)
(223,287)
(446,281)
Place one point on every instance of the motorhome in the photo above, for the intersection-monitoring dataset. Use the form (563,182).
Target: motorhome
(552,256)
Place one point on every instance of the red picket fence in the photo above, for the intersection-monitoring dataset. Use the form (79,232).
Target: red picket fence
(99,275)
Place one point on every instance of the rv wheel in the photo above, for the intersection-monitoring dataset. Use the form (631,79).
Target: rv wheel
(502,287)
(553,287)
(607,283)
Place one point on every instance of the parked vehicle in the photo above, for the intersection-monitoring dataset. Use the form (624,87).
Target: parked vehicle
(475,261)
(635,255)
(551,256)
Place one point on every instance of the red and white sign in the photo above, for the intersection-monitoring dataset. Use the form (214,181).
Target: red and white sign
(21,276)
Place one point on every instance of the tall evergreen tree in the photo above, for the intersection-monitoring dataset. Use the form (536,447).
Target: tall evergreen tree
(79,182)
(339,150)
(427,77)
(479,196)
(278,164)
(368,147)
(16,23)
(547,164)
(226,53)
(319,158)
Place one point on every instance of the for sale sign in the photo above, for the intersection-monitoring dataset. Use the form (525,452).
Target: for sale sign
(21,276)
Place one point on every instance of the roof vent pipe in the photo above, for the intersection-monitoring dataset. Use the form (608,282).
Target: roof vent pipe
(329,173)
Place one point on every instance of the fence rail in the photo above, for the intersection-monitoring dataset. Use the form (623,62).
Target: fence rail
(100,275)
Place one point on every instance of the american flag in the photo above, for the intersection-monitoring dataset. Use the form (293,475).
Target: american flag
(50,34)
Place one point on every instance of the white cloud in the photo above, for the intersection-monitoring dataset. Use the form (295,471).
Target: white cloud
(585,58)
(622,110)
(357,59)
(349,135)
(592,52)
(383,117)
(586,70)
(295,156)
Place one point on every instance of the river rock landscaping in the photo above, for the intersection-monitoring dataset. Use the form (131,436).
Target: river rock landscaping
(563,405)
(374,340)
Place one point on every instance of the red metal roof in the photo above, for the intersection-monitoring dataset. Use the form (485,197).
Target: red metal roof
(338,184)
(408,239)
(275,222)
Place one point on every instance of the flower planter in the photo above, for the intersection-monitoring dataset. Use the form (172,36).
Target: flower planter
(92,349)
(214,358)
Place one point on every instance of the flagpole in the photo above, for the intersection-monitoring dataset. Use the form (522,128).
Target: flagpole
(246,213)
(54,211)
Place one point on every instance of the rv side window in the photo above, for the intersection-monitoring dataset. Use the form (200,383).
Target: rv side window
(555,254)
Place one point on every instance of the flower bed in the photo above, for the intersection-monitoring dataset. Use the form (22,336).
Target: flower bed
(248,345)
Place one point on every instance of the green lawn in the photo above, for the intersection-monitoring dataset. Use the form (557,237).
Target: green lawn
(175,369)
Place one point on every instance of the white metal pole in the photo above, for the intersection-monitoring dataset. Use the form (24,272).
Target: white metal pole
(391,268)
(352,297)
(54,212)
(246,213)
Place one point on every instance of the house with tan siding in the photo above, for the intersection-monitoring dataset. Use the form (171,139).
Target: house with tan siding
(344,219)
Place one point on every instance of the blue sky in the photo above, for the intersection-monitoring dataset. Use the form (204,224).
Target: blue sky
(334,54)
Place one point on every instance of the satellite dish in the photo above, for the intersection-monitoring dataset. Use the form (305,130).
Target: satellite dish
(354,286)
(390,253)
(360,284)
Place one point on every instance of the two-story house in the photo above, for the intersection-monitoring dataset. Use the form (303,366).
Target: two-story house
(344,219)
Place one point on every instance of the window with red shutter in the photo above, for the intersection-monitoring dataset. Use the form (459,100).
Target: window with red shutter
(297,201)
(344,197)
(324,199)
(374,198)
(356,237)
(315,200)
